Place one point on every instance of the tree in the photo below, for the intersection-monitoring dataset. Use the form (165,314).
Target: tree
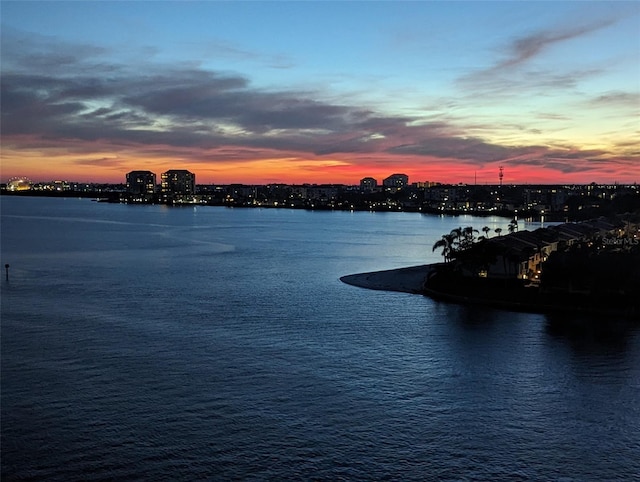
(486,230)
(456,242)
(456,235)
(446,243)
(513,225)
(467,238)
(498,231)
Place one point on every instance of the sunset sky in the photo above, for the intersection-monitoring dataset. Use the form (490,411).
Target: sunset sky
(261,92)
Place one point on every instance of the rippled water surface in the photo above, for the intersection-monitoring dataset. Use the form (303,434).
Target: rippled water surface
(142,342)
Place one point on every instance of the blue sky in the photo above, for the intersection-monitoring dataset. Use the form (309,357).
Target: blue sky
(549,89)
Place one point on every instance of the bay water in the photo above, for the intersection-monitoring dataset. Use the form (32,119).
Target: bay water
(207,343)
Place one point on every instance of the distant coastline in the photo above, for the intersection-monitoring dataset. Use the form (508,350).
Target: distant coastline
(536,202)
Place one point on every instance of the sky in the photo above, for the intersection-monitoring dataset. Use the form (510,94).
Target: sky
(321,92)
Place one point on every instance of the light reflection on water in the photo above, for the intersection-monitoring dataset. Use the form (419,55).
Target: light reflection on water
(146,342)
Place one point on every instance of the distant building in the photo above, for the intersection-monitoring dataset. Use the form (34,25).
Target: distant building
(178,185)
(397,181)
(424,184)
(19,184)
(178,181)
(323,192)
(368,184)
(141,182)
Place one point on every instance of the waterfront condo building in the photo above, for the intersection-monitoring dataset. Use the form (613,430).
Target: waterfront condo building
(397,181)
(141,182)
(178,185)
(368,184)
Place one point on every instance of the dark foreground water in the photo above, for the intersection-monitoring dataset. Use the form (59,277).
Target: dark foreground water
(148,343)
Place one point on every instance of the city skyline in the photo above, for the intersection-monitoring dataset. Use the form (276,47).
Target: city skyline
(297,92)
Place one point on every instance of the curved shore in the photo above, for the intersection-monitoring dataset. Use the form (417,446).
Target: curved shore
(404,280)
(412,280)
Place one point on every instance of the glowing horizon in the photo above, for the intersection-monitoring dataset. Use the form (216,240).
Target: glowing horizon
(91,91)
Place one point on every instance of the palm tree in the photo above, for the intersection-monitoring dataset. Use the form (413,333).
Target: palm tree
(498,231)
(455,237)
(446,243)
(486,230)
(513,225)
(467,237)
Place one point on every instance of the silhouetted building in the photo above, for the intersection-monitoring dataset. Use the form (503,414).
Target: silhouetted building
(178,181)
(178,185)
(141,182)
(368,184)
(397,181)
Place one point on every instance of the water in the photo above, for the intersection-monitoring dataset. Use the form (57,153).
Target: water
(154,343)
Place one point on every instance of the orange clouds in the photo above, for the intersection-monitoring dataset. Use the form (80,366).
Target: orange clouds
(92,162)
(95,119)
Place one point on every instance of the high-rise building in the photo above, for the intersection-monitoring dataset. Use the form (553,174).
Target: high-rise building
(141,182)
(368,184)
(178,181)
(397,181)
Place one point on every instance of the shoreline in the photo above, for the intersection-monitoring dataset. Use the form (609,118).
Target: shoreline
(412,280)
(523,307)
(403,280)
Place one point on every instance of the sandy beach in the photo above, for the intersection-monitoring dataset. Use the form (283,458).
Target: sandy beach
(406,280)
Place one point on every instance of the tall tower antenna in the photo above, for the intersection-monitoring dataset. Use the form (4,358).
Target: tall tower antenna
(501,175)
